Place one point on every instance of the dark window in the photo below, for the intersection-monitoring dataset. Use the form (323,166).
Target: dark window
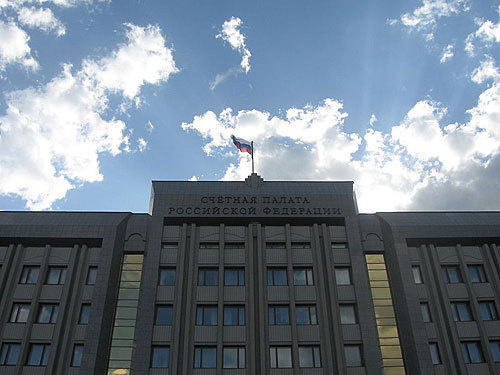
(488,310)
(277,276)
(234,245)
(92,275)
(477,274)
(169,245)
(56,275)
(461,311)
(164,315)
(275,245)
(205,357)
(84,314)
(417,275)
(29,275)
(9,354)
(160,356)
(233,357)
(234,315)
(343,276)
(306,314)
(303,276)
(208,276)
(339,245)
(347,314)
(76,360)
(426,313)
(281,356)
(20,312)
(353,355)
(167,276)
(279,315)
(39,355)
(472,352)
(209,245)
(48,313)
(435,357)
(301,245)
(495,350)
(451,274)
(206,315)
(309,356)
(234,276)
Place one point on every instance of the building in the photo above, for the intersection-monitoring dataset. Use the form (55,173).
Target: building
(250,277)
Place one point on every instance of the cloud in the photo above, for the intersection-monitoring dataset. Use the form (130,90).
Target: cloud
(221,77)
(44,19)
(487,33)
(51,136)
(373,119)
(141,145)
(14,47)
(149,127)
(447,53)
(193,178)
(230,33)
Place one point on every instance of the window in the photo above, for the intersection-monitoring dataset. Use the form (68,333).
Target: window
(451,274)
(278,315)
(234,315)
(477,274)
(205,357)
(206,315)
(277,276)
(167,276)
(417,276)
(347,314)
(9,354)
(29,275)
(233,357)
(461,311)
(495,350)
(169,245)
(160,356)
(353,355)
(472,352)
(275,245)
(426,313)
(301,245)
(92,275)
(209,245)
(309,356)
(338,245)
(163,315)
(20,312)
(56,275)
(39,355)
(235,276)
(208,276)
(281,356)
(488,310)
(234,245)
(435,357)
(76,359)
(306,314)
(48,313)
(343,276)
(84,314)
(303,276)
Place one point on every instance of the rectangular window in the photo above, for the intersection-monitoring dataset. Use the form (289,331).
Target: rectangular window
(306,315)
(47,314)
(347,314)
(91,275)
(426,313)
(435,357)
(477,274)
(278,315)
(164,314)
(234,276)
(39,355)
(208,276)
(353,355)
(206,315)
(76,359)
(20,312)
(84,314)
(56,276)
(275,245)
(233,357)
(167,276)
(472,352)
(309,356)
(205,357)
(209,245)
(9,354)
(461,311)
(277,276)
(234,245)
(303,276)
(281,356)
(338,245)
(170,245)
(417,275)
(234,315)
(343,275)
(29,275)
(451,274)
(495,350)
(488,310)
(160,356)
(301,245)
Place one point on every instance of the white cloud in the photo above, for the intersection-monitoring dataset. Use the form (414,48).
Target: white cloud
(221,77)
(44,19)
(149,127)
(51,136)
(373,119)
(447,53)
(486,70)
(231,34)
(14,46)
(487,33)
(193,178)
(141,144)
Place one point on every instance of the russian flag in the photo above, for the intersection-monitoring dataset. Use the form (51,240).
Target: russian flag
(242,144)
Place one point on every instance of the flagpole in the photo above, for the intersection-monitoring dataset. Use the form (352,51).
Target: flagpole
(252,158)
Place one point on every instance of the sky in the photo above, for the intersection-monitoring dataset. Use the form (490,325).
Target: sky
(100,97)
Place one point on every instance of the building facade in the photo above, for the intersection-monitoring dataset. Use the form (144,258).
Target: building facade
(251,277)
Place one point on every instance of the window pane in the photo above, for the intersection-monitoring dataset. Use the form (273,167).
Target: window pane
(464,312)
(77,356)
(299,277)
(241,358)
(161,356)
(272,356)
(164,315)
(282,315)
(85,313)
(454,275)
(342,276)
(230,358)
(9,354)
(426,316)
(302,315)
(211,277)
(230,277)
(211,316)
(475,352)
(197,358)
(306,356)
(45,314)
(92,276)
(280,277)
(284,355)
(436,359)
(35,356)
(417,276)
(167,277)
(347,314)
(495,350)
(209,359)
(353,355)
(53,276)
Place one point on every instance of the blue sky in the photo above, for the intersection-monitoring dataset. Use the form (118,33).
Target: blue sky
(101,97)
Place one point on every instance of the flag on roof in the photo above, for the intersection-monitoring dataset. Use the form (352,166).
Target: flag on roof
(242,144)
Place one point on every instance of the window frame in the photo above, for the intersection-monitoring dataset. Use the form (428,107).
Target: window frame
(240,276)
(91,275)
(276,356)
(202,350)
(479,271)
(239,358)
(61,277)
(446,274)
(209,245)
(75,354)
(426,317)
(239,308)
(84,313)
(337,245)
(308,273)
(272,312)
(359,351)
(203,271)
(6,348)
(234,245)
(156,349)
(315,356)
(456,312)
(435,354)
(26,274)
(164,306)
(312,318)
(344,269)
(165,270)
(300,245)
(272,271)
(354,312)
(16,312)
(44,357)
(495,354)
(466,352)
(204,316)
(53,314)
(417,274)
(491,309)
